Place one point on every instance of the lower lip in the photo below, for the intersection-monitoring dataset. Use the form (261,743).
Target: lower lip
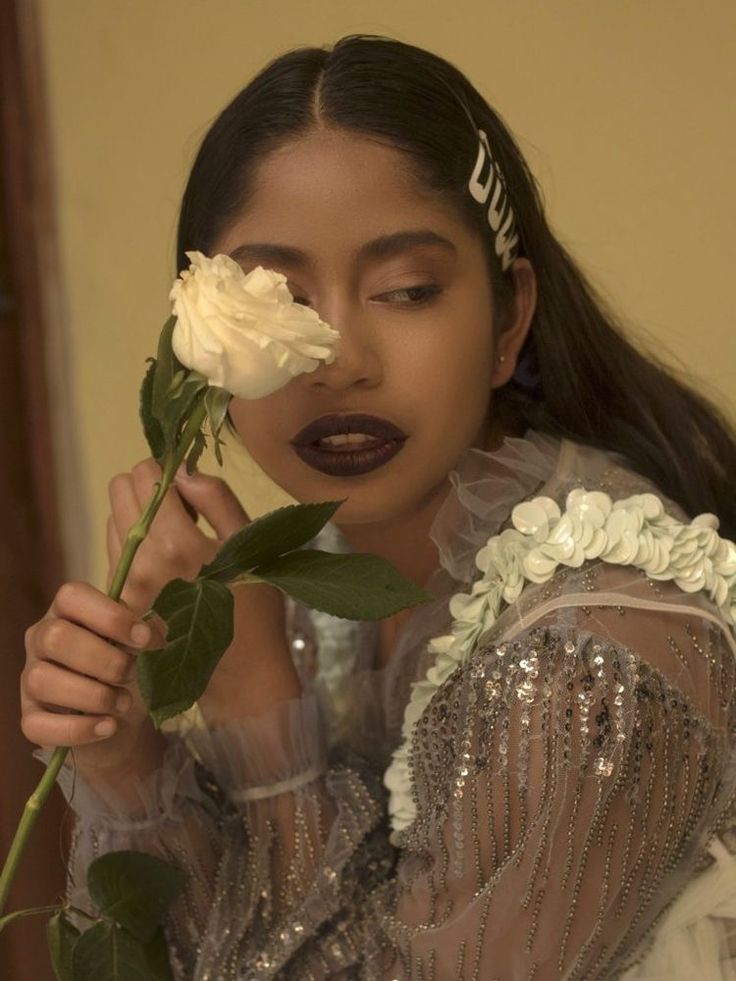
(348,463)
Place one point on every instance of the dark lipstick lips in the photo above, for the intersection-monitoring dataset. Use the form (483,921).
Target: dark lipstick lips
(343,462)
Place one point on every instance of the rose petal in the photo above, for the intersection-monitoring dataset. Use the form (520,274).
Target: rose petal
(244,333)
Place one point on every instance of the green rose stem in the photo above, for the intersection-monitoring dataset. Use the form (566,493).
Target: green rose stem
(136,535)
(34,912)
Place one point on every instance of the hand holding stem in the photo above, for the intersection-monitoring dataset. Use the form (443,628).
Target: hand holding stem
(135,537)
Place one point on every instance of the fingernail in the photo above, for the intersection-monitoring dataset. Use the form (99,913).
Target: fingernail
(105,728)
(122,702)
(140,634)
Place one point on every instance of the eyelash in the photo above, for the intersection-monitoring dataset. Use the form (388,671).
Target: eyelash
(430,291)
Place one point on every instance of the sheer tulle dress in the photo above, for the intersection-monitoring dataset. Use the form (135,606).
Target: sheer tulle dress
(570,808)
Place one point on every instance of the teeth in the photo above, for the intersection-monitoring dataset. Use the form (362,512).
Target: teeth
(348,439)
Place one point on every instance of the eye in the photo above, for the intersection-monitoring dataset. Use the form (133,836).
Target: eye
(417,295)
(296,295)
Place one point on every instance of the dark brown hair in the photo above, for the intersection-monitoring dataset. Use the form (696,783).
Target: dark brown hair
(579,376)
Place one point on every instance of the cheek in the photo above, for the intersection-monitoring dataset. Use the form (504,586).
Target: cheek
(452,380)
(255,422)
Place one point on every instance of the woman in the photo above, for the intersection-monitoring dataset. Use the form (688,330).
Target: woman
(560,778)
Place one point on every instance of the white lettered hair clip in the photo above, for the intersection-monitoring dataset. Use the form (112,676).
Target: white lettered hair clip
(500,213)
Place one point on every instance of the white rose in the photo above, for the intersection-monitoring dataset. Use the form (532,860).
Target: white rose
(244,333)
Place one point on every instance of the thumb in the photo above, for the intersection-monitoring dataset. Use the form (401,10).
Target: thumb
(214,500)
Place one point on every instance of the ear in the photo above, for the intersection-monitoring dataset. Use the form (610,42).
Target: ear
(510,342)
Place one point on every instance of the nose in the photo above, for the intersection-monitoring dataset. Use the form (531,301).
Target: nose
(357,357)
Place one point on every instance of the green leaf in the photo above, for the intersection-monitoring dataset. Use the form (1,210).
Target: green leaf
(186,377)
(266,538)
(217,401)
(134,889)
(197,448)
(157,957)
(62,937)
(171,392)
(107,952)
(199,618)
(356,587)
(166,367)
(176,383)
(151,426)
(177,408)
(218,452)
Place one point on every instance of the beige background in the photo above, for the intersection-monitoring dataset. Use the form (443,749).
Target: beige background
(625,109)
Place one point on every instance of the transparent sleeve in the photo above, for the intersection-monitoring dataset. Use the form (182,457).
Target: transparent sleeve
(567,782)
(276,840)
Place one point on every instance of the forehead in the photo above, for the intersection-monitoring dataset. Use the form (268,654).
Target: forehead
(330,162)
(332,186)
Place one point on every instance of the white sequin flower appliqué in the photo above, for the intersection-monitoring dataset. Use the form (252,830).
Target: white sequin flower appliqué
(636,531)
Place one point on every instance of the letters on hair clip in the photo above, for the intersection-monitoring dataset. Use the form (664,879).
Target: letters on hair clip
(500,213)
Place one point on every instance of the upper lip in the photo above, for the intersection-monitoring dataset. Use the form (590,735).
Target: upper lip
(335,423)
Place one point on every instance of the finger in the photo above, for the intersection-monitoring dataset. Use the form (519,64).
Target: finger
(114,547)
(54,729)
(124,507)
(173,521)
(77,649)
(214,500)
(83,604)
(144,476)
(55,687)
(114,551)
(148,472)
(187,506)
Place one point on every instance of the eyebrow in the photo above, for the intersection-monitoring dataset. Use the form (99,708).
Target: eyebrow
(383,247)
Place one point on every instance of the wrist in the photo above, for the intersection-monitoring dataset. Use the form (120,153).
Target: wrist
(257,672)
(259,685)
(123,776)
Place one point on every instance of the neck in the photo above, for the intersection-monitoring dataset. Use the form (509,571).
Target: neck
(404,540)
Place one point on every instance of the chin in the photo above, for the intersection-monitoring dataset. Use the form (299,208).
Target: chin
(361,506)
(375,508)
(356,512)
(385,495)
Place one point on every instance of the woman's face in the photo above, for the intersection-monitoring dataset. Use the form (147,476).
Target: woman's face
(405,283)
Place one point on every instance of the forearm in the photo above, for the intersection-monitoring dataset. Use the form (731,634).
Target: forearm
(119,785)
(256,673)
(235,695)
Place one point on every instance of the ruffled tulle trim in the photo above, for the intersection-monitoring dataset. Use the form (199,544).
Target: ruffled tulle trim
(159,794)
(250,755)
(485,487)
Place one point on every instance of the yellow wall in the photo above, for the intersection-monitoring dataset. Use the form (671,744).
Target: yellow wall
(624,108)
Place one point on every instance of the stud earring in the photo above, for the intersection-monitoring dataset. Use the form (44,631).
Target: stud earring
(502,358)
